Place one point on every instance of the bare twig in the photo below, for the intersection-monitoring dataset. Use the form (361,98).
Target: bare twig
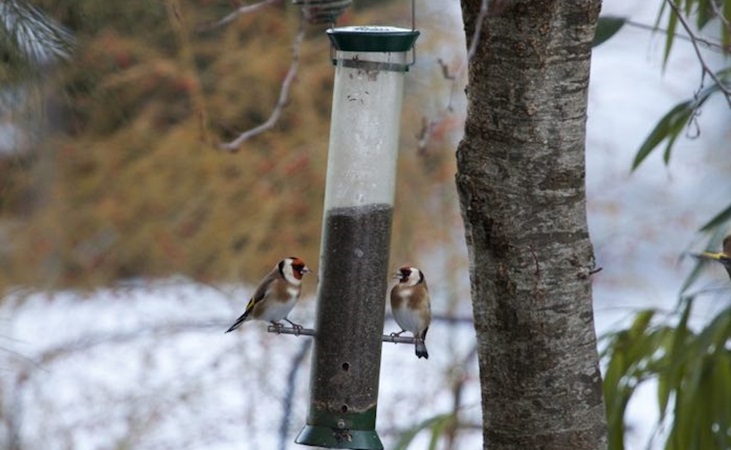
(445,69)
(289,395)
(425,133)
(719,14)
(246,9)
(459,378)
(93,340)
(23,358)
(283,95)
(706,70)
(428,125)
(478,30)
(710,44)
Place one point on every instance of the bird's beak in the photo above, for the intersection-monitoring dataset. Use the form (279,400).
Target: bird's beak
(305,270)
(397,275)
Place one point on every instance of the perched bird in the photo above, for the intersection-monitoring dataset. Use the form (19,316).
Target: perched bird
(276,294)
(410,305)
(724,257)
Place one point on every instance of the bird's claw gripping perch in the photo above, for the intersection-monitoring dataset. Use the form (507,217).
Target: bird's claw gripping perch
(296,327)
(394,335)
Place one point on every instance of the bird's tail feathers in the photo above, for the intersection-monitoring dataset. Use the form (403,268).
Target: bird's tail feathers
(421,348)
(238,322)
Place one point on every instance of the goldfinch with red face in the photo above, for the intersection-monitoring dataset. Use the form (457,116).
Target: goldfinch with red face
(276,294)
(723,257)
(410,305)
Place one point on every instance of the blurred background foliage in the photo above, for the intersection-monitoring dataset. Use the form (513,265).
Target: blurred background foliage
(690,363)
(124,177)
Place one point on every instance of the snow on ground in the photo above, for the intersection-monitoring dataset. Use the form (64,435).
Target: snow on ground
(148,366)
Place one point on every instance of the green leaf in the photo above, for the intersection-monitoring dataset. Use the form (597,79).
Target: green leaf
(692,369)
(408,436)
(666,370)
(722,397)
(438,429)
(641,322)
(704,13)
(675,129)
(656,25)
(686,409)
(669,36)
(715,334)
(606,27)
(616,393)
(720,218)
(725,30)
(718,233)
(663,130)
(630,352)
(670,126)
(663,394)
(688,5)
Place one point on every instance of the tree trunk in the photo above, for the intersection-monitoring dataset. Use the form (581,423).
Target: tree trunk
(521,187)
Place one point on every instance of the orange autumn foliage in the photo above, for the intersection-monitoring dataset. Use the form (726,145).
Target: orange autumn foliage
(131,183)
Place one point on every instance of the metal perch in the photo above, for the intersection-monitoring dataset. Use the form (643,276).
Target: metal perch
(311,332)
(289,330)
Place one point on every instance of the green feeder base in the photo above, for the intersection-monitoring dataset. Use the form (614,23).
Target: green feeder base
(327,437)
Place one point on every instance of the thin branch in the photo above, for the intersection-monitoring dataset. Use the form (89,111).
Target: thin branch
(459,378)
(719,14)
(478,30)
(710,44)
(94,340)
(289,395)
(428,125)
(246,9)
(283,95)
(25,359)
(425,133)
(694,41)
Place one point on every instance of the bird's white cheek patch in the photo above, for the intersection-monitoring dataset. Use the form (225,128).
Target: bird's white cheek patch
(289,276)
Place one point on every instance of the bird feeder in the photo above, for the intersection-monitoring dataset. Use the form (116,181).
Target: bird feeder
(370,67)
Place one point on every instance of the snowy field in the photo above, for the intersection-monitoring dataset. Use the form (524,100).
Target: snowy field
(147,365)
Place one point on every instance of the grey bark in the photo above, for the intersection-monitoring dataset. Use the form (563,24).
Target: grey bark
(521,186)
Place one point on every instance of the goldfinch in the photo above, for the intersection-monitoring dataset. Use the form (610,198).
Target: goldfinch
(410,305)
(276,294)
(723,257)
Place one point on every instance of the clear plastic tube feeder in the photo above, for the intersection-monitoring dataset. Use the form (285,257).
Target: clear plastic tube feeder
(370,67)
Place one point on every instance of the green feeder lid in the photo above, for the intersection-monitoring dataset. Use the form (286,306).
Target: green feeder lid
(372,39)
